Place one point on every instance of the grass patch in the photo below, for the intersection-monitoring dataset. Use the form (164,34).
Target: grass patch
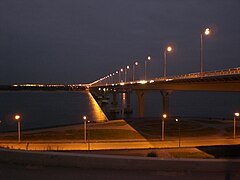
(94,134)
(222,151)
(99,134)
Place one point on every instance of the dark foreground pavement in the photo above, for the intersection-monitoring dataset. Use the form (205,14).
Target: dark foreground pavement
(28,172)
(27,165)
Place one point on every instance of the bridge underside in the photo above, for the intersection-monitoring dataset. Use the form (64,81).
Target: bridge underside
(210,84)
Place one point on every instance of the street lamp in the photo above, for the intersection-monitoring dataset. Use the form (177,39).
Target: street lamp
(164,116)
(135,64)
(17,118)
(120,74)
(178,131)
(125,77)
(206,32)
(110,79)
(234,124)
(145,70)
(168,49)
(119,78)
(85,128)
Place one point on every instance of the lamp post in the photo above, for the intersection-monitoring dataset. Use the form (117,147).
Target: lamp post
(234,124)
(145,69)
(121,70)
(117,72)
(88,136)
(164,116)
(85,128)
(168,49)
(17,118)
(135,64)
(206,32)
(113,75)
(110,79)
(178,131)
(125,70)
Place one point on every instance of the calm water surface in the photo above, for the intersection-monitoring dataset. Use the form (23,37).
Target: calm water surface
(47,109)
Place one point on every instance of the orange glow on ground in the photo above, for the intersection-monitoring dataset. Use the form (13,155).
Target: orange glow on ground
(97,112)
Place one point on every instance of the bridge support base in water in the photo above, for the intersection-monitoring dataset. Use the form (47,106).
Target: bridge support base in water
(140,96)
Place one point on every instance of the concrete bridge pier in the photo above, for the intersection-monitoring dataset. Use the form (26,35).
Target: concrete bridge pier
(165,95)
(114,98)
(140,96)
(128,102)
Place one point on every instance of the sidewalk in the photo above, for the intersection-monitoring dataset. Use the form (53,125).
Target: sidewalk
(116,144)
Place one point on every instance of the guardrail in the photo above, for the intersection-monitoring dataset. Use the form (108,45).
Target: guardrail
(223,72)
(204,74)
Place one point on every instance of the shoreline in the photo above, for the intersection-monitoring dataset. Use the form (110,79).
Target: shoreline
(209,119)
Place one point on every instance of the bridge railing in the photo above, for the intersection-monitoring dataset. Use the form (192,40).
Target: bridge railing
(205,74)
(223,72)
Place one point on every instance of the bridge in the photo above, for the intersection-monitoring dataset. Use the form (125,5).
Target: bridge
(216,81)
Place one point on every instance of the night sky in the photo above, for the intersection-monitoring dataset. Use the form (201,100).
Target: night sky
(79,41)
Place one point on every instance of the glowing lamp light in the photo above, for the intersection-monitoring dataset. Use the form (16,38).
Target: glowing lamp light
(149,58)
(164,116)
(142,82)
(127,67)
(169,48)
(121,70)
(17,117)
(236,114)
(122,84)
(136,63)
(176,120)
(207,31)
(84,118)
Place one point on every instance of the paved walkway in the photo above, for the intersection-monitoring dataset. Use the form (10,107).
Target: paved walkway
(117,144)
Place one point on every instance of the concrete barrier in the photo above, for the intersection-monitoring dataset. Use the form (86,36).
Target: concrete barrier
(61,159)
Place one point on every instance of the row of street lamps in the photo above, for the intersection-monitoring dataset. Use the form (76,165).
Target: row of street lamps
(168,49)
(164,117)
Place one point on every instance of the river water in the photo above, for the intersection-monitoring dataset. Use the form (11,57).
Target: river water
(48,109)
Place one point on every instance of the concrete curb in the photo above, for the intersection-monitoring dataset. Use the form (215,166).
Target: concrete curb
(60,159)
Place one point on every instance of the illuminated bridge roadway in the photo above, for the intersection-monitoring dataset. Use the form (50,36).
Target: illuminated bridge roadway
(214,81)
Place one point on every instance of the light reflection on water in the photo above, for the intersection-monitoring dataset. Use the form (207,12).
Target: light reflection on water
(96,111)
(46,109)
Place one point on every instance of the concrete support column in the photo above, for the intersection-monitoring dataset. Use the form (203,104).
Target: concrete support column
(140,95)
(128,100)
(165,95)
(114,98)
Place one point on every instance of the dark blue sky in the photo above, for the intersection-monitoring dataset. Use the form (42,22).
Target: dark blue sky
(77,41)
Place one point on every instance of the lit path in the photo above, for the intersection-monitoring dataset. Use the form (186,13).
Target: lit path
(118,144)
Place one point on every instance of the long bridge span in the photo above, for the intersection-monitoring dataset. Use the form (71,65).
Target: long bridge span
(216,81)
